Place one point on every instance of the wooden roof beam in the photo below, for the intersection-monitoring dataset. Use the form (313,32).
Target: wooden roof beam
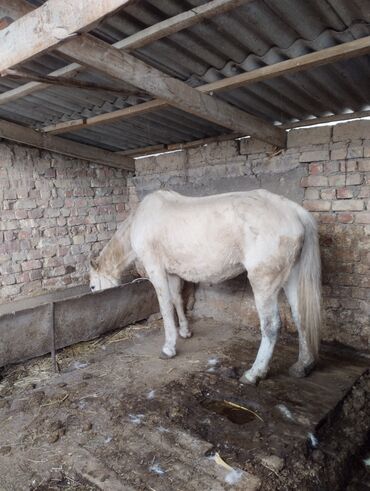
(47,26)
(21,134)
(135,41)
(305,62)
(118,65)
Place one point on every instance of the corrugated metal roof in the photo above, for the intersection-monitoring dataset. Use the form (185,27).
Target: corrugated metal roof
(260,33)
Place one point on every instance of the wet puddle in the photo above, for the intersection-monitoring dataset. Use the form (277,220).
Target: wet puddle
(235,413)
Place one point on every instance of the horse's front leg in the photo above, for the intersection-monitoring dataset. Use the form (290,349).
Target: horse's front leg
(159,280)
(176,284)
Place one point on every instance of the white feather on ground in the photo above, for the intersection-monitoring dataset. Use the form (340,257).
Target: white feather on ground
(136,418)
(157,469)
(313,440)
(285,411)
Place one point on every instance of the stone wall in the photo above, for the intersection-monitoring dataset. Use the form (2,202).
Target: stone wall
(54,212)
(327,169)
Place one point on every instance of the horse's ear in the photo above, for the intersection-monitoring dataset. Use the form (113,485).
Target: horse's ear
(94,263)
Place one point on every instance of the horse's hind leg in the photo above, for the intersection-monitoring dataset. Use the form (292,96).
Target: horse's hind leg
(268,311)
(306,359)
(175,284)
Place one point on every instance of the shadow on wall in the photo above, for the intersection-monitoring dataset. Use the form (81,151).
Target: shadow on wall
(284,184)
(233,302)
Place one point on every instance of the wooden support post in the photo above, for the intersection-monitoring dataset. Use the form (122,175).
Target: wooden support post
(54,361)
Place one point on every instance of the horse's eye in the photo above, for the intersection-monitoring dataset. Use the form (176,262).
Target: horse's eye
(92,288)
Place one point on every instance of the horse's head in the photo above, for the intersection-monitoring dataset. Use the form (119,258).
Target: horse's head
(98,279)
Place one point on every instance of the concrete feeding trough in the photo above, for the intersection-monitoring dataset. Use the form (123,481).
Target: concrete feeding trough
(43,324)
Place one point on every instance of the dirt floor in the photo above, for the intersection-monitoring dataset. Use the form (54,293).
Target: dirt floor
(117,417)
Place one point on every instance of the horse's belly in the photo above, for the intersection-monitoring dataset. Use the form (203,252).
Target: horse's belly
(197,272)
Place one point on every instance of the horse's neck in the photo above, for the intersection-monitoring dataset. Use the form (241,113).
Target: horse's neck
(117,255)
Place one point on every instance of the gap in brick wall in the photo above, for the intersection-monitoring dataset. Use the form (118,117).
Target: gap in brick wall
(313,125)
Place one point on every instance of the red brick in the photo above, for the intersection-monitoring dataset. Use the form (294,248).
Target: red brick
(35,274)
(327,217)
(24,234)
(314,181)
(354,179)
(50,173)
(364,192)
(21,214)
(317,205)
(345,217)
(351,165)
(337,181)
(348,205)
(23,277)
(37,213)
(363,217)
(315,169)
(331,167)
(364,281)
(364,165)
(328,193)
(361,293)
(33,264)
(344,193)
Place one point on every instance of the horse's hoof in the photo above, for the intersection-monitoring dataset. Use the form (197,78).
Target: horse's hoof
(165,356)
(300,371)
(246,379)
(186,334)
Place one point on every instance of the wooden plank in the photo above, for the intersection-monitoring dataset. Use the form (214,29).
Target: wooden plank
(139,152)
(138,40)
(28,136)
(48,25)
(352,48)
(127,112)
(312,60)
(122,66)
(178,23)
(70,82)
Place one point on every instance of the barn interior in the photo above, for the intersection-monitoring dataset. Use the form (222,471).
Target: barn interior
(102,103)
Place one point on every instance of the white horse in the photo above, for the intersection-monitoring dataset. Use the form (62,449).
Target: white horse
(215,238)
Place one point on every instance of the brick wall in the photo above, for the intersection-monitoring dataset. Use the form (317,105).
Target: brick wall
(54,212)
(337,191)
(327,169)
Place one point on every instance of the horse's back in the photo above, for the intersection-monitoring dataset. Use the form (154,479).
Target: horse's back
(210,238)
(260,209)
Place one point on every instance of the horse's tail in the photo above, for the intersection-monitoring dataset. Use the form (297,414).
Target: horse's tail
(309,283)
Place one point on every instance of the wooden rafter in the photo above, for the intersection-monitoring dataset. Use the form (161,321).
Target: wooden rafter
(305,62)
(89,51)
(70,82)
(48,26)
(28,136)
(138,40)
(139,152)
(122,66)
